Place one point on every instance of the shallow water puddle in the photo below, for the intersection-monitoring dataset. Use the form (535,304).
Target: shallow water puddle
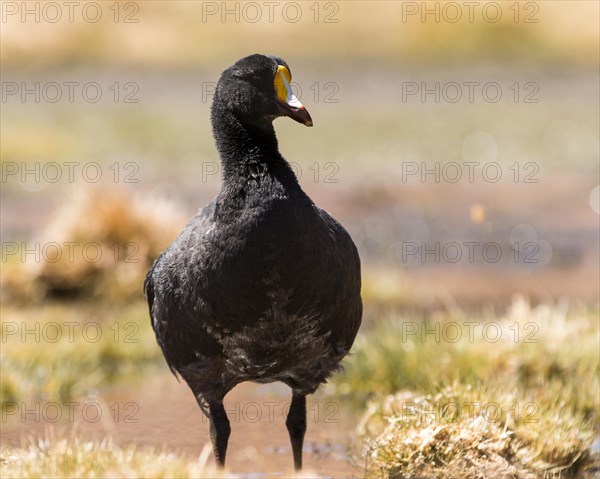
(163,413)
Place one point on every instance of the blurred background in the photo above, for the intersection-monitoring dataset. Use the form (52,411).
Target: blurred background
(458,142)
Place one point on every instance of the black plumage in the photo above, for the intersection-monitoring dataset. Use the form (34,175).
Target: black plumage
(262,285)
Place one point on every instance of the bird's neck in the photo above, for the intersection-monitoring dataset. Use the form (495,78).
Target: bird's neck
(249,155)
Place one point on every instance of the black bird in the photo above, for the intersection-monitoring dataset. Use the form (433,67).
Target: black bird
(262,285)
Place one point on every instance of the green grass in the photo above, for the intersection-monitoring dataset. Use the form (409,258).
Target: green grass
(535,348)
(35,365)
(524,406)
(436,408)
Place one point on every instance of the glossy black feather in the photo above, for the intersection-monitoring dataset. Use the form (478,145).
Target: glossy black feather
(262,285)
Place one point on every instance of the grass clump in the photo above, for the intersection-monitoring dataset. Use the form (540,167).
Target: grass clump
(520,400)
(60,351)
(98,245)
(472,433)
(75,457)
(549,348)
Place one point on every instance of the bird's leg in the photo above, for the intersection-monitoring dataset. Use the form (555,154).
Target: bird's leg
(219,430)
(296,425)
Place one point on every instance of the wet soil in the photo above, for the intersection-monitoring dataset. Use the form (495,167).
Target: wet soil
(163,414)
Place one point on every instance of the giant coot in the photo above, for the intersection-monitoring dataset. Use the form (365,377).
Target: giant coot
(262,285)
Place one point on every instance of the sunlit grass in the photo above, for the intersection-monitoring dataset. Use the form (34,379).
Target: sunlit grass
(75,457)
(525,386)
(527,347)
(62,351)
(514,407)
(464,431)
(99,244)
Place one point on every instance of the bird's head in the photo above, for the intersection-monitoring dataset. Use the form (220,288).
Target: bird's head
(256,89)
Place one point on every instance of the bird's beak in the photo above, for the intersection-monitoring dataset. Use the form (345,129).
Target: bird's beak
(286,101)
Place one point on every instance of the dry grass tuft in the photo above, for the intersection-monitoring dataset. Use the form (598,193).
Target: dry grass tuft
(519,407)
(100,243)
(58,456)
(75,457)
(468,433)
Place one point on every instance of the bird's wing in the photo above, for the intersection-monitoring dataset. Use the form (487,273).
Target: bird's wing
(346,264)
(201,223)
